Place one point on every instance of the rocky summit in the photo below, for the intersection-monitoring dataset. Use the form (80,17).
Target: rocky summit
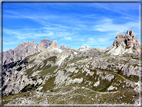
(125,43)
(54,44)
(44,44)
(58,75)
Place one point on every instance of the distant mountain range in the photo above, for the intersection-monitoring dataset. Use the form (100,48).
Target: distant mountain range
(47,74)
(123,43)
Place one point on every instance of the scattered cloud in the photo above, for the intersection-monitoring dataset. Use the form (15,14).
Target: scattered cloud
(96,24)
(68,38)
(9,43)
(48,34)
(100,42)
(120,8)
(107,25)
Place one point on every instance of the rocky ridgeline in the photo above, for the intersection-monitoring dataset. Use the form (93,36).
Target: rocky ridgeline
(28,48)
(61,75)
(125,43)
(25,49)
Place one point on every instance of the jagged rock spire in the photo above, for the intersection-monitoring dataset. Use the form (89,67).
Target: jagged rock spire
(54,44)
(44,43)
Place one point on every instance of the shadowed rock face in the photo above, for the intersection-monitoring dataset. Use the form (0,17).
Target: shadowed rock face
(126,40)
(44,43)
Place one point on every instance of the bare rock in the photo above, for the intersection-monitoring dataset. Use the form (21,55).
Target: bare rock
(25,49)
(125,43)
(44,43)
(63,47)
(54,44)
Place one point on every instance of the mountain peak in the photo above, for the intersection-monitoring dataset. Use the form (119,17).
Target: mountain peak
(54,44)
(131,32)
(44,43)
(125,43)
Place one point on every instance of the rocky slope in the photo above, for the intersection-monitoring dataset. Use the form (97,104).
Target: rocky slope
(68,76)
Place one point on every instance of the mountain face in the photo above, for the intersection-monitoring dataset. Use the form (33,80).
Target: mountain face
(25,49)
(125,43)
(44,44)
(68,76)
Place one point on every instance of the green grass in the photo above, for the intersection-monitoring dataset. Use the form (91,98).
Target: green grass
(78,75)
(29,71)
(28,87)
(106,84)
(12,97)
(49,84)
(45,69)
(132,78)
(31,61)
(127,47)
(77,59)
(81,96)
(53,58)
(48,70)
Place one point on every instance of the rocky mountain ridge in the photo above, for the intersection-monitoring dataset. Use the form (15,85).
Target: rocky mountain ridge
(67,76)
(25,49)
(28,48)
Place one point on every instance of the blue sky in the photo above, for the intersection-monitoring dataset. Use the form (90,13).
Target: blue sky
(72,24)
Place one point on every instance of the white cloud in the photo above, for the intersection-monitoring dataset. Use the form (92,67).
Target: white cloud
(120,8)
(81,39)
(91,41)
(9,43)
(107,25)
(44,34)
(68,38)
(102,39)
(98,42)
